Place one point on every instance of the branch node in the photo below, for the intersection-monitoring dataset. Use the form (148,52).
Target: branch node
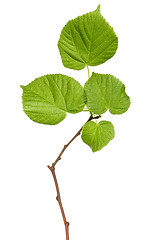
(52,168)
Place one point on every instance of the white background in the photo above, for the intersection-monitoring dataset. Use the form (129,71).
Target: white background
(113,194)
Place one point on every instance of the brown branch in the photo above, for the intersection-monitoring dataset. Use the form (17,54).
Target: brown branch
(52,169)
(76,135)
(58,198)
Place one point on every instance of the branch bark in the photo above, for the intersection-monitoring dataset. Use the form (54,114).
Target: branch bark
(76,135)
(52,169)
(58,198)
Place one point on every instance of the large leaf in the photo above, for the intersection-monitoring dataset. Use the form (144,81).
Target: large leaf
(87,40)
(103,92)
(47,99)
(97,135)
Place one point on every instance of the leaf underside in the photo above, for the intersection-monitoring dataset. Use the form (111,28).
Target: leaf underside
(48,99)
(103,92)
(87,40)
(97,135)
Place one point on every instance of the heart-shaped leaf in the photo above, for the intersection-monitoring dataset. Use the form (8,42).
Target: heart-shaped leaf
(87,40)
(103,92)
(47,99)
(97,135)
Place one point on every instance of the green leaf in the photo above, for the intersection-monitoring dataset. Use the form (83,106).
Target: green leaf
(103,92)
(47,99)
(97,135)
(87,40)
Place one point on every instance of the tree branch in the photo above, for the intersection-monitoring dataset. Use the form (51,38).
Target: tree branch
(58,198)
(76,135)
(52,169)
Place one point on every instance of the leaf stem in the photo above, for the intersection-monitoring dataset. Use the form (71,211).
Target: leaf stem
(88,72)
(52,169)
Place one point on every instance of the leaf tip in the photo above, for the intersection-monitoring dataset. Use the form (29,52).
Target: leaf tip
(93,150)
(22,86)
(98,8)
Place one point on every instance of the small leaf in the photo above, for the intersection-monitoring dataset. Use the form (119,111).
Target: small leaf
(87,40)
(97,135)
(47,99)
(103,92)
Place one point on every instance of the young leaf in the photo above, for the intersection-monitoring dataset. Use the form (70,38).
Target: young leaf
(103,92)
(47,99)
(87,40)
(97,135)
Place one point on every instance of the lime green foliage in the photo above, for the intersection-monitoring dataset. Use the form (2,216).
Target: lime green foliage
(97,135)
(87,40)
(47,99)
(103,92)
